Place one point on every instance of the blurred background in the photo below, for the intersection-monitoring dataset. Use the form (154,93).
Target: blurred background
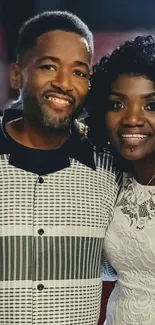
(112,22)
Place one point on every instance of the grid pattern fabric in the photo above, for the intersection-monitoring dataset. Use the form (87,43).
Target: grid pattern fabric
(51,240)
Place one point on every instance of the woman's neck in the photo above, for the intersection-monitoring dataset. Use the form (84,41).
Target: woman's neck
(144,170)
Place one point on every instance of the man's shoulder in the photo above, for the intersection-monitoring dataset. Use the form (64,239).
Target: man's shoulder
(4,143)
(104,159)
(106,164)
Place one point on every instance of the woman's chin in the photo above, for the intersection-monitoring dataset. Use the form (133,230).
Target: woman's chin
(131,154)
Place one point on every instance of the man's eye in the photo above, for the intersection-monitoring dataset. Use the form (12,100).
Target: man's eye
(80,73)
(48,67)
(114,106)
(150,106)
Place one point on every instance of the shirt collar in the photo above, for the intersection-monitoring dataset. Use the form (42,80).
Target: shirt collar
(45,161)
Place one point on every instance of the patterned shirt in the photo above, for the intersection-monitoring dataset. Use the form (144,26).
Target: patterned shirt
(55,207)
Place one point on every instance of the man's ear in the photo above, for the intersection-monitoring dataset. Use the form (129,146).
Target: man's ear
(15,76)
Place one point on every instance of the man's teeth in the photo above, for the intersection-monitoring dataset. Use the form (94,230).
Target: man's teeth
(57,100)
(136,136)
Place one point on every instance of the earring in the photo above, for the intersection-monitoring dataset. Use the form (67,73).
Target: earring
(89,85)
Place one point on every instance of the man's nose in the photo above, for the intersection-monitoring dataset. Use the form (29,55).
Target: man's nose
(63,81)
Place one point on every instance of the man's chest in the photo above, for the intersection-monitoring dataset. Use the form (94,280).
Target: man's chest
(75,196)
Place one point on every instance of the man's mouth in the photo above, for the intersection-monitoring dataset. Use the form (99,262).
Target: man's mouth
(60,101)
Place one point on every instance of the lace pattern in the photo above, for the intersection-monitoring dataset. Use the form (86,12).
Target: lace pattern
(130,248)
(138,202)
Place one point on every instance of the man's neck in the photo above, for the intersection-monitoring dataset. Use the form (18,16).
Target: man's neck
(36,137)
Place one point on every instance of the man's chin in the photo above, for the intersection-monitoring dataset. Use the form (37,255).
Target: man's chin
(55,123)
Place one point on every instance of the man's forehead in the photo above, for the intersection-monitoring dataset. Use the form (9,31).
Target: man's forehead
(62,39)
(60,44)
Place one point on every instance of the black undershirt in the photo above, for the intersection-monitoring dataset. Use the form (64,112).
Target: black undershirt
(43,162)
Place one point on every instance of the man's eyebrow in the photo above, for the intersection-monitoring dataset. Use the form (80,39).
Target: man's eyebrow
(55,59)
(48,57)
(148,95)
(81,63)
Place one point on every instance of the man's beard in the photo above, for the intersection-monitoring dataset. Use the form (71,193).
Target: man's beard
(36,114)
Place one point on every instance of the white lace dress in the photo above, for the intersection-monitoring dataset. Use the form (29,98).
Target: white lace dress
(130,248)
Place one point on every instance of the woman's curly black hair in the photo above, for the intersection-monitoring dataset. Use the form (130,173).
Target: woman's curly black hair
(135,57)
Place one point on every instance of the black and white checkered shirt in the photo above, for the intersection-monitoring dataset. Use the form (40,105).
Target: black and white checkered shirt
(52,226)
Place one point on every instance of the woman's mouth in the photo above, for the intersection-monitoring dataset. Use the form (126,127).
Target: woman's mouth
(134,139)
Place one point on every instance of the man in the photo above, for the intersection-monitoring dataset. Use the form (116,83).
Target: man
(3,71)
(56,192)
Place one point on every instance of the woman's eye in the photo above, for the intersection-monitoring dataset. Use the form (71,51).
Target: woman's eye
(150,106)
(115,105)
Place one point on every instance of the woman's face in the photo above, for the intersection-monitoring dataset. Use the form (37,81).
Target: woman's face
(130,116)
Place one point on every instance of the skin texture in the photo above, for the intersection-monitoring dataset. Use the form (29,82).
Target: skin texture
(53,78)
(131,112)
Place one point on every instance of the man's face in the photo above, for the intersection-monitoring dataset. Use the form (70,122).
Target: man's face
(54,78)
(3,72)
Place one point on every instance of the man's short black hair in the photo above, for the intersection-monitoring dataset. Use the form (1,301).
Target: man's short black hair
(51,21)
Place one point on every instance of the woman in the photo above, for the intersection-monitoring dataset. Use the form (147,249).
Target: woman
(123,92)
